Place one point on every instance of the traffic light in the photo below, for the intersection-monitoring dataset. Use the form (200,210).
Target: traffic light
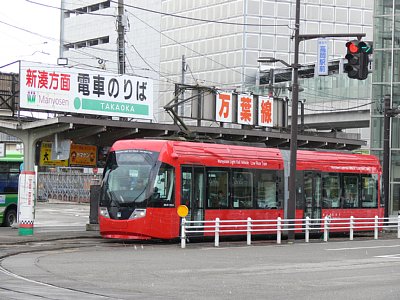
(358,59)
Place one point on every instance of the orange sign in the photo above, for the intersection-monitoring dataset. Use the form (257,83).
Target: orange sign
(83,155)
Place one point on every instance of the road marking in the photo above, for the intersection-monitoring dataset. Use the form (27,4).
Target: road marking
(361,248)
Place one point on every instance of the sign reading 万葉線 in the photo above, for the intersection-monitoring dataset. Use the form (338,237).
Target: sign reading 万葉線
(74,90)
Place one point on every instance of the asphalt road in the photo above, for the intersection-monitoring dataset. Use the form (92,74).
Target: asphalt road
(101,269)
(368,269)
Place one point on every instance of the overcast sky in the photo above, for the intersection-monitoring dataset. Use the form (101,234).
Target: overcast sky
(29,32)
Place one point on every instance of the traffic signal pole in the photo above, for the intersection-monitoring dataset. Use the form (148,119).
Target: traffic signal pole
(291,207)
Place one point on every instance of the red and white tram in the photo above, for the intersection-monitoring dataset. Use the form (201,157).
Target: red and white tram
(144,182)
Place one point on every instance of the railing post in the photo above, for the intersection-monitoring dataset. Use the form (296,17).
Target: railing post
(376,227)
(351,228)
(326,227)
(183,234)
(307,229)
(398,227)
(279,230)
(216,242)
(249,231)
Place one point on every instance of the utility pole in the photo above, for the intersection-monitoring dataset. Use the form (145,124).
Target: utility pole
(302,101)
(386,152)
(271,82)
(121,37)
(291,208)
(183,83)
(388,113)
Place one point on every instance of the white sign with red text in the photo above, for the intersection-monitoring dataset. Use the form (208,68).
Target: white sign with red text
(26,202)
(224,107)
(245,109)
(265,111)
(75,90)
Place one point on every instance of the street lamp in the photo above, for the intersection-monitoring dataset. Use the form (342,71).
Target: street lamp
(273,60)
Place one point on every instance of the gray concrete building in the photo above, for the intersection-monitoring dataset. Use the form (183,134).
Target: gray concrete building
(220,40)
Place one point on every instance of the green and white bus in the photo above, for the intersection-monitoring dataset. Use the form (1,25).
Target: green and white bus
(10,167)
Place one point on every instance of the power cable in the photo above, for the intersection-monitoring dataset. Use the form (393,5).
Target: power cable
(69,10)
(145,61)
(198,19)
(194,51)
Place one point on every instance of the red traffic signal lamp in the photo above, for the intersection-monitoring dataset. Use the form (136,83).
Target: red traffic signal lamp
(352,47)
(358,59)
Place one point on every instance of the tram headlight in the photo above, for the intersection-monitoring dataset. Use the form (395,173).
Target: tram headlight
(104,212)
(138,213)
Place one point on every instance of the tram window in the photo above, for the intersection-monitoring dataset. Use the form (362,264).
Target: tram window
(369,191)
(163,189)
(186,186)
(330,190)
(350,188)
(266,190)
(119,179)
(242,189)
(217,189)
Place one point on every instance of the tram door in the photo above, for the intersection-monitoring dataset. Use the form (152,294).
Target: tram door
(312,195)
(193,191)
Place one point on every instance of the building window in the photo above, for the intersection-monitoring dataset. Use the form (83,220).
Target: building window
(87,43)
(87,9)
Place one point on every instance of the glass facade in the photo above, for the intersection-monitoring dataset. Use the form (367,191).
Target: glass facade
(386,81)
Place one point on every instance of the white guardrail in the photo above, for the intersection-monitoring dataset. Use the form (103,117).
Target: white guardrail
(249,227)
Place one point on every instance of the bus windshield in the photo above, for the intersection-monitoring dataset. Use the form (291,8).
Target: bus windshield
(127,176)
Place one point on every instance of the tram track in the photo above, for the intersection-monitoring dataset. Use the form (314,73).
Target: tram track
(41,289)
(62,289)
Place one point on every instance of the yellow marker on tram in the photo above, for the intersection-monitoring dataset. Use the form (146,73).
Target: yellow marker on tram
(182,211)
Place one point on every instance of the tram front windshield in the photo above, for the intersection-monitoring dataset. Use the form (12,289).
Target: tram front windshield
(127,178)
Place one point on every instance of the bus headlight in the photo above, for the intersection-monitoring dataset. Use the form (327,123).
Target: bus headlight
(104,212)
(138,213)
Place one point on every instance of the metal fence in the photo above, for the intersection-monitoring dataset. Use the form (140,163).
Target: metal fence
(68,185)
(249,227)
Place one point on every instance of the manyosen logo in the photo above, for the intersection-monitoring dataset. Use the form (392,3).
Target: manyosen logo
(31,97)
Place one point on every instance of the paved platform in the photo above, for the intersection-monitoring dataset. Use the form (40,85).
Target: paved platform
(54,220)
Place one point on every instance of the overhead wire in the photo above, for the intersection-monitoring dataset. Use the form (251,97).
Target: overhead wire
(69,10)
(148,64)
(199,19)
(194,51)
(198,53)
